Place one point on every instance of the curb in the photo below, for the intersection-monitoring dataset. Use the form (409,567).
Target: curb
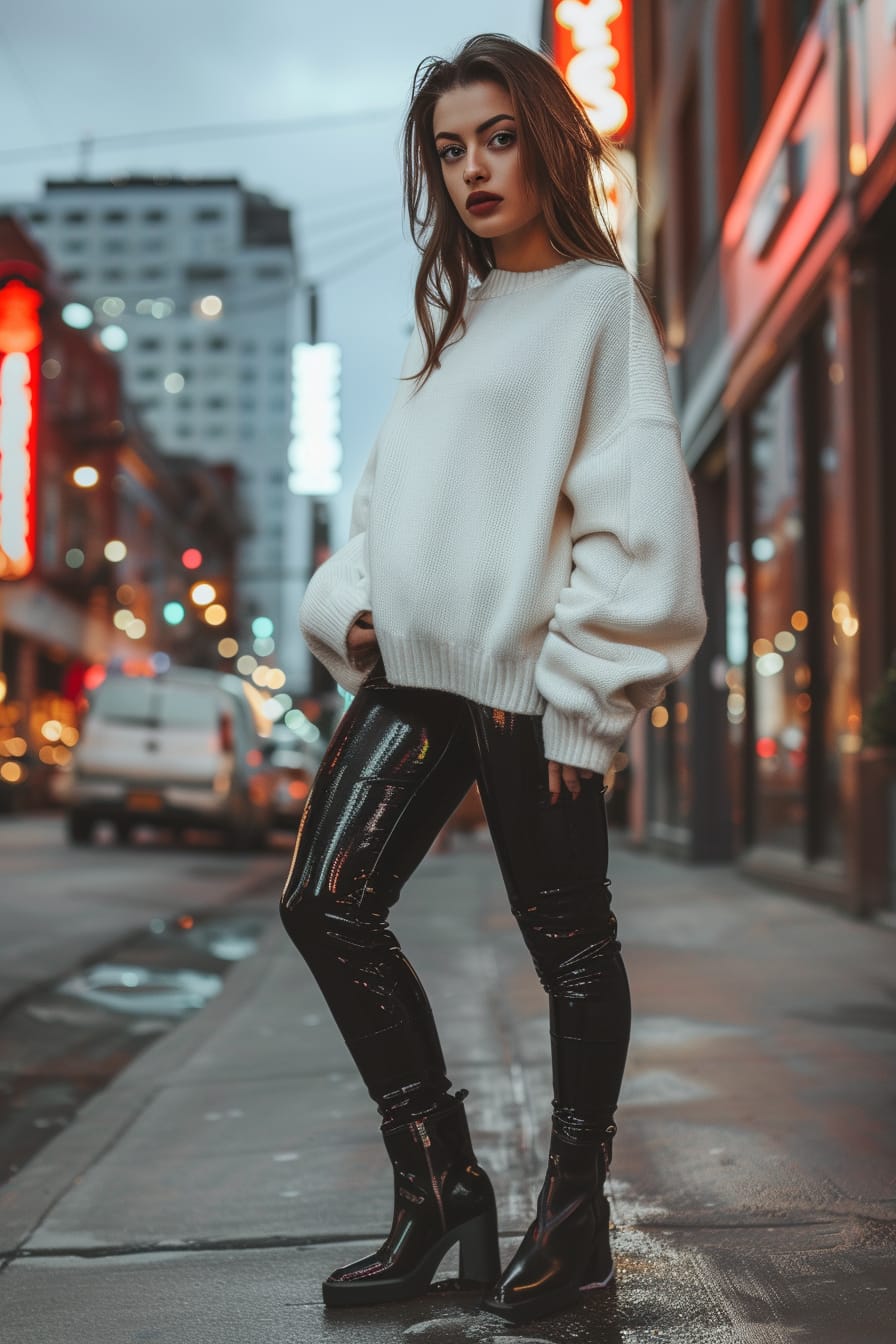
(29,1196)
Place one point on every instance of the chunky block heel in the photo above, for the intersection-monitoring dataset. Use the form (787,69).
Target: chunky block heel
(479,1257)
(598,1274)
(601,1269)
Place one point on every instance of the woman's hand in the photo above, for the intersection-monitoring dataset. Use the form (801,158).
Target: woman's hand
(569,775)
(361,638)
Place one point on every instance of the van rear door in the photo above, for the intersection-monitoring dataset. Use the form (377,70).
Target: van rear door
(195,737)
(145,731)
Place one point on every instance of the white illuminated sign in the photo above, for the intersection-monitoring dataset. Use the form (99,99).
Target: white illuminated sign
(315,449)
(590,73)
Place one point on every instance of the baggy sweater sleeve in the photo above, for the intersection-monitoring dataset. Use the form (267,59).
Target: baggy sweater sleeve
(339,590)
(631,617)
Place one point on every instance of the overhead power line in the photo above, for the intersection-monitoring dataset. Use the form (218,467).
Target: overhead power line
(338,221)
(356,261)
(26,88)
(195,134)
(359,259)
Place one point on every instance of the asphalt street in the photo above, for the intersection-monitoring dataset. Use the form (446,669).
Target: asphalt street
(60,904)
(206,1191)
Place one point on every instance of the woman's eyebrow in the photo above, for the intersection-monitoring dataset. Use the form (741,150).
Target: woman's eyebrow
(452,135)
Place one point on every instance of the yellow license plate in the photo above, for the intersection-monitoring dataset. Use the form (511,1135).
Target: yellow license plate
(145,802)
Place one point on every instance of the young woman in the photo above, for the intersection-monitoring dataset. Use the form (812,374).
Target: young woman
(522,576)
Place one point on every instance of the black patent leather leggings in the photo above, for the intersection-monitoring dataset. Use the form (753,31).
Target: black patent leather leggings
(399,762)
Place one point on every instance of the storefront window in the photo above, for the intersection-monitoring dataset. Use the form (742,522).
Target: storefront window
(671,781)
(841,718)
(779,662)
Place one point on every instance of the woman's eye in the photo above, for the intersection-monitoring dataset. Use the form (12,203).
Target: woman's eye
(509,138)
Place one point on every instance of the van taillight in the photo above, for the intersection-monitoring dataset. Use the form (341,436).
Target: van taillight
(225,732)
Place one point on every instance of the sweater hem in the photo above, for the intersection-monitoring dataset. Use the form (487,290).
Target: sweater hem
(464,670)
(474,674)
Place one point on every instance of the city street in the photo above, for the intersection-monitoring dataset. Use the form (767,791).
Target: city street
(105,950)
(541,350)
(206,1191)
(62,904)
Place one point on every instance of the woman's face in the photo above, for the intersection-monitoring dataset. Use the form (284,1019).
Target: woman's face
(477,139)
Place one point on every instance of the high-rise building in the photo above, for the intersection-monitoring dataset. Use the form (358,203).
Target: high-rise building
(193,282)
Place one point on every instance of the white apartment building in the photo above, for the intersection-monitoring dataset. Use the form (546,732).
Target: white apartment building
(200,276)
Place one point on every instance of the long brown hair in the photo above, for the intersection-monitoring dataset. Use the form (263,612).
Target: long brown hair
(561,156)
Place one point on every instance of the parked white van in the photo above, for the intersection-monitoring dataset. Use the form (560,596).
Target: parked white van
(188,748)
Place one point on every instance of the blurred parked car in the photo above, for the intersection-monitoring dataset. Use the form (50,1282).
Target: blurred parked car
(186,748)
(294,767)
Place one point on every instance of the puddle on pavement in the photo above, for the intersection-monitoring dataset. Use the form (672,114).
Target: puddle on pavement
(681,1032)
(62,1044)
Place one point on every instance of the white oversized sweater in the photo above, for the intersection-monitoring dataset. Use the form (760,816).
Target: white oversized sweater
(524,532)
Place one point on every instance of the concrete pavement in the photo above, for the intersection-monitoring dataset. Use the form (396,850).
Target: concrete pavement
(206,1192)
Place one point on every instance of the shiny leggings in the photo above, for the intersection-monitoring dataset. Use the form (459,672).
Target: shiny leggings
(400,761)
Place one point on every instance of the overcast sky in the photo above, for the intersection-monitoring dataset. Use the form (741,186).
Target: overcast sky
(73,68)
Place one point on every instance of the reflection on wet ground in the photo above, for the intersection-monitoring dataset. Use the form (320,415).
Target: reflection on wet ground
(142,992)
(670,1032)
(64,1042)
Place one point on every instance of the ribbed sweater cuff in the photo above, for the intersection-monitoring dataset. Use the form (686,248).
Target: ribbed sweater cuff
(589,745)
(334,618)
(328,611)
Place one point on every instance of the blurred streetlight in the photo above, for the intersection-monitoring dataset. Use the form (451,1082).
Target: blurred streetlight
(114,338)
(202,594)
(209,306)
(77,315)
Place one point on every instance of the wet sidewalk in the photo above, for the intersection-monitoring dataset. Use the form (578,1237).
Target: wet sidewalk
(204,1195)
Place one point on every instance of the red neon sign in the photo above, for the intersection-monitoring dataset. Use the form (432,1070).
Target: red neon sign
(592,45)
(20,341)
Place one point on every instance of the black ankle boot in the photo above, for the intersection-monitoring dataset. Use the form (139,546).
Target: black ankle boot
(442,1196)
(567,1248)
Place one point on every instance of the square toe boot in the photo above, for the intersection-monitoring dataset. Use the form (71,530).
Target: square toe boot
(566,1250)
(442,1197)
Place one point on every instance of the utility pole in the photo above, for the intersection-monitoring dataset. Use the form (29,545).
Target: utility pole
(85,149)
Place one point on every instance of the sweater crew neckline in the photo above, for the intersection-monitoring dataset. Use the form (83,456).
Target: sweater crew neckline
(499,282)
